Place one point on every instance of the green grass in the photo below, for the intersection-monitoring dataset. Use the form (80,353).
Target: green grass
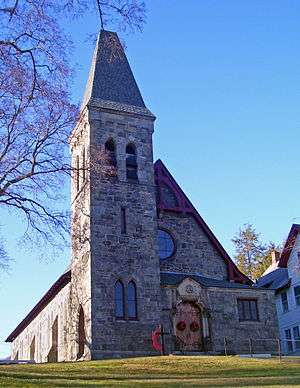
(169,371)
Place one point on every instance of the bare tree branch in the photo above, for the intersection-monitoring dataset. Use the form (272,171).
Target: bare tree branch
(36,111)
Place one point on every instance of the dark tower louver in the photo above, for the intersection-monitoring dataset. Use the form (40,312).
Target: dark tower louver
(110,78)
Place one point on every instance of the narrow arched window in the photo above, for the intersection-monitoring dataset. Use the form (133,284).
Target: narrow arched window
(77,173)
(132,300)
(110,151)
(119,300)
(131,162)
(83,166)
(81,333)
(32,349)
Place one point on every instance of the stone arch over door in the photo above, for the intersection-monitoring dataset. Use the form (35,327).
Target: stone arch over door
(192,297)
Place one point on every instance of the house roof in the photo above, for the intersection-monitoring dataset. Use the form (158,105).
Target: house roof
(60,283)
(184,205)
(174,278)
(276,280)
(111,80)
(288,246)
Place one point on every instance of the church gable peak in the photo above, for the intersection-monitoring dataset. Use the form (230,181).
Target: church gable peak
(110,78)
(170,197)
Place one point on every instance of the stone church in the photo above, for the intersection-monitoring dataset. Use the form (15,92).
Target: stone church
(142,256)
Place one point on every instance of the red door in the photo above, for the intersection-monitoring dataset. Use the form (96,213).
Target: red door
(188,327)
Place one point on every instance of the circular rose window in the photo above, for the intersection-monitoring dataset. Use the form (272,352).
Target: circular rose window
(165,244)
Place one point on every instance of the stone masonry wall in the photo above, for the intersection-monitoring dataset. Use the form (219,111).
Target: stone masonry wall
(129,256)
(80,288)
(224,311)
(40,330)
(194,252)
(221,307)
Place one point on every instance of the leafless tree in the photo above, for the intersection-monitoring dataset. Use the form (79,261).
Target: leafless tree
(36,111)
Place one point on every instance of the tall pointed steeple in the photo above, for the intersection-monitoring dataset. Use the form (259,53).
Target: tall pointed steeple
(111,82)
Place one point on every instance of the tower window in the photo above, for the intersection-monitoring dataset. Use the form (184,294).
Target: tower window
(77,173)
(165,244)
(83,166)
(123,220)
(119,300)
(131,162)
(132,300)
(110,152)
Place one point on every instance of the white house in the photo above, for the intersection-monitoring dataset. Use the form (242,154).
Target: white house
(284,276)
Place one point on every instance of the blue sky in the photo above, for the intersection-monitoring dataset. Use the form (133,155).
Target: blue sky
(223,79)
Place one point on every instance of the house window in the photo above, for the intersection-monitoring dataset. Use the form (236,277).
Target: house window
(289,342)
(247,309)
(119,300)
(297,295)
(296,334)
(284,302)
(123,220)
(165,244)
(132,300)
(131,163)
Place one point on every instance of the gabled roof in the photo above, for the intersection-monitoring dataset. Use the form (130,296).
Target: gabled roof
(276,280)
(60,283)
(110,78)
(173,279)
(289,245)
(163,176)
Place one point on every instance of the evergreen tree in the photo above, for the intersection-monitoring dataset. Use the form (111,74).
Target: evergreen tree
(252,256)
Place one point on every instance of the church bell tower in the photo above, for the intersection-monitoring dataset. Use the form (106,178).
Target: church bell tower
(115,263)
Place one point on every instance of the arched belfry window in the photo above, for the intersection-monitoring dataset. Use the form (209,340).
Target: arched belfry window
(131,162)
(119,300)
(132,300)
(81,333)
(110,151)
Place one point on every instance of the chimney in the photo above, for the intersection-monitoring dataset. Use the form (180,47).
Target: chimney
(275,257)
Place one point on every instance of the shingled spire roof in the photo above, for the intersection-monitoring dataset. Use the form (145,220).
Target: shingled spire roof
(111,82)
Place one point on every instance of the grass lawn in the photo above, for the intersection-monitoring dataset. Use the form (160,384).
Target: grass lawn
(168,371)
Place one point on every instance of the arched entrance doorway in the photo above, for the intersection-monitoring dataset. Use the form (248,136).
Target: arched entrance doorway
(188,328)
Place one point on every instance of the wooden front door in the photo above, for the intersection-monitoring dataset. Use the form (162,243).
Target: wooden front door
(188,328)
